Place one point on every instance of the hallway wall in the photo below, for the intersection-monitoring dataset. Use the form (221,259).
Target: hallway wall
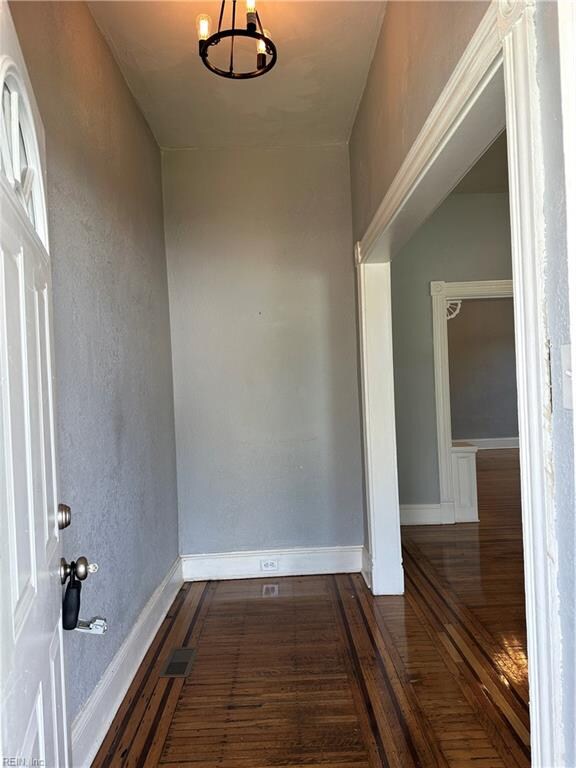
(114,402)
(261,276)
(482,360)
(419,45)
(467,238)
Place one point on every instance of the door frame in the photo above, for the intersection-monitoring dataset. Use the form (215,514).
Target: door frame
(493,87)
(443,294)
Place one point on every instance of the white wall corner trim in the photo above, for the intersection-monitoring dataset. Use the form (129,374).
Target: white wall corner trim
(379,430)
(272,563)
(93,721)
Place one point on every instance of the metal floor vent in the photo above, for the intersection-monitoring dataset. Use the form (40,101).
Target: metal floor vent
(179,663)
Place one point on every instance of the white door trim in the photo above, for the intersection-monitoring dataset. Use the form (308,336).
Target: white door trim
(464,121)
(567,54)
(383,563)
(443,296)
(567,51)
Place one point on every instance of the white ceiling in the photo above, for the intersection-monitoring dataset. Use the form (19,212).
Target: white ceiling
(310,97)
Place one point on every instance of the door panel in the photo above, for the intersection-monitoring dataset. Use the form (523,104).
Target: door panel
(32,691)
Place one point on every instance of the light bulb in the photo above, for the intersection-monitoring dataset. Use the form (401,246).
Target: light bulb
(203,24)
(251,18)
(261,45)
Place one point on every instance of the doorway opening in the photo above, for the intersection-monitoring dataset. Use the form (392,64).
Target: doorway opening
(493,88)
(457,437)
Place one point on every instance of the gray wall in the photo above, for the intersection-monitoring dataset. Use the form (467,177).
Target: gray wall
(467,238)
(482,361)
(112,343)
(418,47)
(261,277)
(556,285)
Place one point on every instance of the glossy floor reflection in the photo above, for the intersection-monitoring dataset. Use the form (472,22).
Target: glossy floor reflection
(323,674)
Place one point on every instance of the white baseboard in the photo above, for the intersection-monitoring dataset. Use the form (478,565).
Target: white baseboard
(91,724)
(426,514)
(491,443)
(305,561)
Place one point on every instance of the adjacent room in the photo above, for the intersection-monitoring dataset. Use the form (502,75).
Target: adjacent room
(457,431)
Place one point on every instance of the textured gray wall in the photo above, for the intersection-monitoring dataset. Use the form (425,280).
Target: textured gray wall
(111,322)
(419,46)
(556,277)
(261,278)
(483,397)
(467,238)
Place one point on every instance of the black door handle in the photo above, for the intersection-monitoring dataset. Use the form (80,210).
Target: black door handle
(71,604)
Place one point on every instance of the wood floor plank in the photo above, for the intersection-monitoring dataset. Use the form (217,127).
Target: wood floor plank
(494,724)
(127,720)
(148,741)
(412,714)
(259,663)
(326,675)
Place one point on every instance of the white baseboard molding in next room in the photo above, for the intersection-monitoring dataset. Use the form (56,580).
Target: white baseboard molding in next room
(304,561)
(426,514)
(491,443)
(93,721)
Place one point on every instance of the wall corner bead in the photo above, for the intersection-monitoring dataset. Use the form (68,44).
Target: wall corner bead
(357,254)
(510,12)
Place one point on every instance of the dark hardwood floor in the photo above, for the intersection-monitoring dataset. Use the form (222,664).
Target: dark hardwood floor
(326,675)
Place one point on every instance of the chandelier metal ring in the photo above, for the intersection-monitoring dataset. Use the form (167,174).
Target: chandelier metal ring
(215,39)
(266,54)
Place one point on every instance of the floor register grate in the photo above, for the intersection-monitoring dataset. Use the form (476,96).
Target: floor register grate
(179,663)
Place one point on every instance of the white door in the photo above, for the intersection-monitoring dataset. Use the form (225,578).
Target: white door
(32,698)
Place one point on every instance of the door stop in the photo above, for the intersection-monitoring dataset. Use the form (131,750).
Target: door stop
(95,626)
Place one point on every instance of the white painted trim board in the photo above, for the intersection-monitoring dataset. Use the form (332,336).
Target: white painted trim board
(299,561)
(377,379)
(490,443)
(426,514)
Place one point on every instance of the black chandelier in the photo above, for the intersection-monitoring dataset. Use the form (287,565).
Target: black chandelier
(266,54)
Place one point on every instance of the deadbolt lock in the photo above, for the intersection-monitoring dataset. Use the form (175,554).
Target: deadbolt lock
(80,568)
(63,516)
